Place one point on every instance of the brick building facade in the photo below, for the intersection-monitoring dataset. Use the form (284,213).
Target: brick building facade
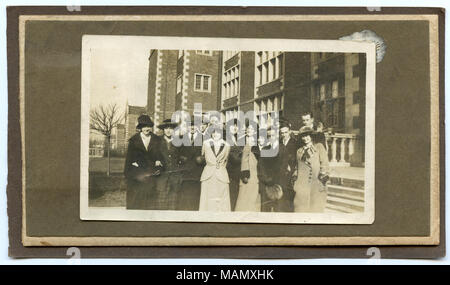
(180,78)
(162,84)
(331,85)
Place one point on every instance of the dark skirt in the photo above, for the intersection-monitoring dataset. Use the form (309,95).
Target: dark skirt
(140,195)
(234,189)
(167,192)
(189,196)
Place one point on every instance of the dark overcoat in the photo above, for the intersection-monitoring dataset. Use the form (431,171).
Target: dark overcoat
(193,164)
(267,176)
(234,172)
(287,162)
(138,170)
(169,181)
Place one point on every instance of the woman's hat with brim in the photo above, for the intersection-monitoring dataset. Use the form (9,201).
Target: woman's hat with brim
(305,130)
(167,123)
(144,121)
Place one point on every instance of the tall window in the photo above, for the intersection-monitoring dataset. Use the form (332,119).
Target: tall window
(334,89)
(273,69)
(329,104)
(280,61)
(265,108)
(179,82)
(202,83)
(231,82)
(269,66)
(180,53)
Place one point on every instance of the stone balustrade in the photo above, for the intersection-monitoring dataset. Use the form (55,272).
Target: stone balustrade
(340,148)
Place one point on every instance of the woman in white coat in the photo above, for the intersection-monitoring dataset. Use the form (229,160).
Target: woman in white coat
(215,193)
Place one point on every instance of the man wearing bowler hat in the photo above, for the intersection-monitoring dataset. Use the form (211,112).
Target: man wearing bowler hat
(168,183)
(141,165)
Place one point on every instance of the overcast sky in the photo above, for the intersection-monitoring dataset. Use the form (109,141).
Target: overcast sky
(119,74)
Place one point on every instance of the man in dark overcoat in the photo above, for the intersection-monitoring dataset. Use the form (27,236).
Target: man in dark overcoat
(189,193)
(267,170)
(234,159)
(287,152)
(169,181)
(141,165)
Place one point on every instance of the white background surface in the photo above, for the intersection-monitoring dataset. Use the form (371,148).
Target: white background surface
(4,259)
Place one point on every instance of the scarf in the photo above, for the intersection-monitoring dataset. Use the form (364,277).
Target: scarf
(308,151)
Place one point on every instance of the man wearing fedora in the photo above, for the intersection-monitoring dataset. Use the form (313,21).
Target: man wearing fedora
(189,194)
(169,181)
(141,165)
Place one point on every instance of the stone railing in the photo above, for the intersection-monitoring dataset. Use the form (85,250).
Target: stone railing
(340,148)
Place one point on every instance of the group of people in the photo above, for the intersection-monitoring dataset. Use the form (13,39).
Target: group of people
(228,171)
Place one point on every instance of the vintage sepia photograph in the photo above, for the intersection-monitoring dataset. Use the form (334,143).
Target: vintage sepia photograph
(227,130)
(218,127)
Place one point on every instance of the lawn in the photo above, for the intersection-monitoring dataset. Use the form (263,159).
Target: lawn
(107,191)
(100,164)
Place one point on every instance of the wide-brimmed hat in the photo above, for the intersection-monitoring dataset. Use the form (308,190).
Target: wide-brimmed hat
(144,120)
(305,130)
(167,123)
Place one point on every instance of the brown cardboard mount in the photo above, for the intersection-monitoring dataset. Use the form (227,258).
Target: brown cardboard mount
(409,156)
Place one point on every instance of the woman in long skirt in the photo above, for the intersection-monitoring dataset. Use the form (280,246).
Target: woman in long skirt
(249,199)
(215,193)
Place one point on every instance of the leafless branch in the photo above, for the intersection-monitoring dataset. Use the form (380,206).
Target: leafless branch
(105,119)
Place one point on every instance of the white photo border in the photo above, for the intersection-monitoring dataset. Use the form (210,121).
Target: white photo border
(242,44)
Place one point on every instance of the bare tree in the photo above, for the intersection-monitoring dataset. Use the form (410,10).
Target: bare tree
(104,119)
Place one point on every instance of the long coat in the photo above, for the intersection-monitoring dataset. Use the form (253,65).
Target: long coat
(311,194)
(267,169)
(249,198)
(287,163)
(138,163)
(189,194)
(215,194)
(168,183)
(234,171)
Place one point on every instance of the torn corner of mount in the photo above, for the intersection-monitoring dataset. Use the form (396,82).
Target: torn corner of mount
(369,36)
